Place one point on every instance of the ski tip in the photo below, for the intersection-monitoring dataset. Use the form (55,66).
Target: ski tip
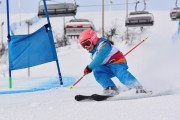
(78,98)
(93,97)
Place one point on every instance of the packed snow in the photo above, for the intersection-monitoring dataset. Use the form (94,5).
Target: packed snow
(155,63)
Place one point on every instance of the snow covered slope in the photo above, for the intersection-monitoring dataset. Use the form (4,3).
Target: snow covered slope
(155,64)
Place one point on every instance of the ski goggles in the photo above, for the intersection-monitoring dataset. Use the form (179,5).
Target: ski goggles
(86,43)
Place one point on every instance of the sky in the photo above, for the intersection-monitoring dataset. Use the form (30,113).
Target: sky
(86,5)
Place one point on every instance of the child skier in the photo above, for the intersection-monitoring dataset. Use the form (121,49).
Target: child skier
(107,62)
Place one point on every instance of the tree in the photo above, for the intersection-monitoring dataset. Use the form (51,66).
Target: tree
(112,31)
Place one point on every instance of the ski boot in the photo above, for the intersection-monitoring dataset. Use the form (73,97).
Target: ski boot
(140,89)
(113,90)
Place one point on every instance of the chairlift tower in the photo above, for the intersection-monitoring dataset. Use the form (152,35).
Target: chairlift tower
(2,23)
(102,18)
(127,34)
(29,23)
(19,5)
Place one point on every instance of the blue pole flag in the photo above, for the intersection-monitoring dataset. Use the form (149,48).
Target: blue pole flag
(32,49)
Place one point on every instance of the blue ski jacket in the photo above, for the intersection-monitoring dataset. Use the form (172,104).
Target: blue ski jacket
(105,53)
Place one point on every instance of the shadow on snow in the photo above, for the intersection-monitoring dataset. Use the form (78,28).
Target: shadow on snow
(38,84)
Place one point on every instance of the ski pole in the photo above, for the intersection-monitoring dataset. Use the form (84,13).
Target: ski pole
(135,46)
(72,86)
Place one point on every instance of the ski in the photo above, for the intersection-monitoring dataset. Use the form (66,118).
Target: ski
(95,97)
(127,95)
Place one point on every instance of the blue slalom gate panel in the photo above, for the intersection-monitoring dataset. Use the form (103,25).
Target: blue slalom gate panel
(31,50)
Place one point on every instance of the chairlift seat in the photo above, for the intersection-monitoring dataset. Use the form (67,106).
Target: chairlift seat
(79,20)
(139,19)
(58,10)
(75,26)
(175,14)
(138,12)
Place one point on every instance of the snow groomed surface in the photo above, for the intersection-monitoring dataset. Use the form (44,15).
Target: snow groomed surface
(37,84)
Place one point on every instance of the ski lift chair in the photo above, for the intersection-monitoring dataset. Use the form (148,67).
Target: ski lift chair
(31,49)
(58,10)
(75,26)
(139,19)
(175,14)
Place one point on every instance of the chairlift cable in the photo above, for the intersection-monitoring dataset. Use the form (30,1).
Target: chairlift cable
(108,4)
(58,1)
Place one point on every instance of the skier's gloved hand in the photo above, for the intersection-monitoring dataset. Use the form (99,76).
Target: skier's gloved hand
(87,70)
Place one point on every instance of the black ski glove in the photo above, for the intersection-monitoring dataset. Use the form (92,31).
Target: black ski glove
(87,70)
